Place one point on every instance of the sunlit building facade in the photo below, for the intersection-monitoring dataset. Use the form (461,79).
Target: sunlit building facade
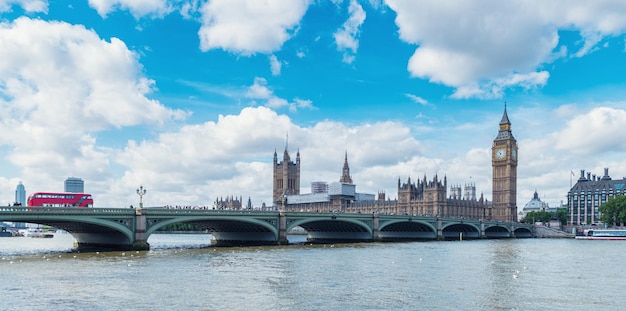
(589,193)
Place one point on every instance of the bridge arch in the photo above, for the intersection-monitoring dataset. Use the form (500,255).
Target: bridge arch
(406,230)
(461,230)
(335,229)
(497,231)
(206,223)
(227,230)
(522,232)
(88,231)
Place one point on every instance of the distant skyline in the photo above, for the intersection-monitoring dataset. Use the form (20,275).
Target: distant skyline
(191,98)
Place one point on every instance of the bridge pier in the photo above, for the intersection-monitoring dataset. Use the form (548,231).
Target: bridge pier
(482,229)
(141,242)
(375,225)
(439,230)
(282,229)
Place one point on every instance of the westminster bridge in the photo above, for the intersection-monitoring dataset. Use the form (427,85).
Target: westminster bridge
(129,229)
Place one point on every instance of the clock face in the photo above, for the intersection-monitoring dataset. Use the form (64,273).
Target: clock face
(514,154)
(500,153)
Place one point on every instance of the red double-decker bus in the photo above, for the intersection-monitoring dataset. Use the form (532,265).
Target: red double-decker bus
(60,199)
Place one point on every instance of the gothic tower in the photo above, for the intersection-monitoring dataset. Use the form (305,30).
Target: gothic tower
(286,176)
(504,178)
(345,176)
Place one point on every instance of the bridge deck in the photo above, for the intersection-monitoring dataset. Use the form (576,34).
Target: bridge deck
(123,228)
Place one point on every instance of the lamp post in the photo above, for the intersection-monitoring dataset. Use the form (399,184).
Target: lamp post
(141,192)
(283,203)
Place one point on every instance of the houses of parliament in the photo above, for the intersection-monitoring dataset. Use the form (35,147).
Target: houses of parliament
(420,197)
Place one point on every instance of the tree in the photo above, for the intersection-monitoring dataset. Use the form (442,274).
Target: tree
(614,210)
(545,216)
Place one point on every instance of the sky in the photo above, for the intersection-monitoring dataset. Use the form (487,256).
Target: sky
(190,99)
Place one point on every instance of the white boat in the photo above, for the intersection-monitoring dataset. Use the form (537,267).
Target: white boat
(37,233)
(603,234)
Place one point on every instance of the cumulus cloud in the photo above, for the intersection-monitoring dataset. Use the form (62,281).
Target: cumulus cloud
(483,48)
(138,8)
(249,26)
(598,131)
(260,93)
(346,37)
(60,85)
(30,6)
(232,156)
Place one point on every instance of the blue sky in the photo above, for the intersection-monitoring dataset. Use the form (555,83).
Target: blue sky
(191,98)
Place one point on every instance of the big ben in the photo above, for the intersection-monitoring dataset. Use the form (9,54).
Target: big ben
(504,178)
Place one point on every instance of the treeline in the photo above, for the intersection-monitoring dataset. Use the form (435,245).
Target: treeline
(545,216)
(613,212)
(181,227)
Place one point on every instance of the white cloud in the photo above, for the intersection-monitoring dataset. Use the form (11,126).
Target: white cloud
(599,131)
(30,6)
(249,26)
(496,88)
(511,37)
(233,155)
(417,99)
(60,86)
(275,65)
(346,37)
(138,8)
(260,91)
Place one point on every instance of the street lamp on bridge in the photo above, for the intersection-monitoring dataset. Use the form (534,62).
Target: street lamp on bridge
(141,192)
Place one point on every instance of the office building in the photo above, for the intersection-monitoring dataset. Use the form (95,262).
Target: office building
(589,193)
(73,184)
(20,194)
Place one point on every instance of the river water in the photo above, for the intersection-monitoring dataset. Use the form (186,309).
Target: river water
(182,272)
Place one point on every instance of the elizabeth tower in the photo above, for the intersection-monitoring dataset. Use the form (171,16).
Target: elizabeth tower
(504,178)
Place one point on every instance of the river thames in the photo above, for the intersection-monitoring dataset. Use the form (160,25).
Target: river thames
(182,272)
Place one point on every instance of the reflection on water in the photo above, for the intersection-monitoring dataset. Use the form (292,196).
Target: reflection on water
(184,272)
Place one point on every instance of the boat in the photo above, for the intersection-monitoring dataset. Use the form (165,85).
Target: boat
(38,233)
(4,233)
(603,234)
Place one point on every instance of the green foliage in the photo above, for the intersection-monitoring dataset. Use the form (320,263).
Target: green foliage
(614,210)
(181,227)
(545,216)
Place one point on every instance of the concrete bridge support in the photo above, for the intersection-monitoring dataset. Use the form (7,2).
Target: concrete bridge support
(482,229)
(376,228)
(282,229)
(141,240)
(439,229)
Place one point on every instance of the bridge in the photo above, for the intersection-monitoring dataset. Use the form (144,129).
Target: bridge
(129,229)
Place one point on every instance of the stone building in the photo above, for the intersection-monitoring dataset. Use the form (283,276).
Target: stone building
(504,173)
(589,193)
(534,205)
(231,203)
(422,197)
(286,177)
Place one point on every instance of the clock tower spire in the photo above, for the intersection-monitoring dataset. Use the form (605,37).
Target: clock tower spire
(504,178)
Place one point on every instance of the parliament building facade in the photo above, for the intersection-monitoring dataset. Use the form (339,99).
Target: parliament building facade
(421,197)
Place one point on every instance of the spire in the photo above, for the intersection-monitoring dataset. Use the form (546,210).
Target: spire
(345,176)
(504,132)
(286,157)
(505,117)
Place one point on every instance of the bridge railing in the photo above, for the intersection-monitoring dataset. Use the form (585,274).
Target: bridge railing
(64,210)
(159,211)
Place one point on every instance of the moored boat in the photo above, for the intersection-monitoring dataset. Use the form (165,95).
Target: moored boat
(38,233)
(603,234)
